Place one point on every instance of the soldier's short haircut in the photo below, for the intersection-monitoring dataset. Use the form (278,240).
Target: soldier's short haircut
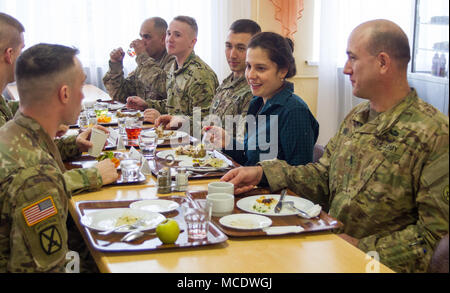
(389,39)
(245,26)
(190,21)
(41,67)
(159,24)
(10,29)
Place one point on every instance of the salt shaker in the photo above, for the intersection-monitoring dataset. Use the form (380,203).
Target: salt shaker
(164,181)
(181,179)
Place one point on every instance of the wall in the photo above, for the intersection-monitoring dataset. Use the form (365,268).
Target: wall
(306,80)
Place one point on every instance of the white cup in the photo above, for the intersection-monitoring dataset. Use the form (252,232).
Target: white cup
(222,203)
(221,187)
(98,139)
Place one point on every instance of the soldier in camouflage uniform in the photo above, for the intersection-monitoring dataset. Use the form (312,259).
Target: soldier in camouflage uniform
(145,87)
(11,45)
(191,83)
(233,96)
(34,190)
(385,173)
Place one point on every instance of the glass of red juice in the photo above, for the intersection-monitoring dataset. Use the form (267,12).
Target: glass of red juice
(133,129)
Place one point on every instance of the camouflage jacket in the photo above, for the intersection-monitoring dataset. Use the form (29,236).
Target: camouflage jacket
(34,198)
(147,81)
(386,180)
(191,86)
(232,99)
(5,112)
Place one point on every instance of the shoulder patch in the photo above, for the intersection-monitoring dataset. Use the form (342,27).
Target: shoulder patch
(39,211)
(445,194)
(51,240)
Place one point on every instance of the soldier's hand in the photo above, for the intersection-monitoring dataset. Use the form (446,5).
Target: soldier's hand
(244,178)
(215,136)
(170,122)
(138,46)
(83,138)
(62,129)
(150,115)
(136,103)
(117,55)
(108,171)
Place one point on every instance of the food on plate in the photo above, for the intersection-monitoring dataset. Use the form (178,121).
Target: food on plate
(168,231)
(264,204)
(126,220)
(197,151)
(115,157)
(210,162)
(104,119)
(163,134)
(121,114)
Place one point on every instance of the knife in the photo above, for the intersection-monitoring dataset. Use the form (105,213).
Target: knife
(280,202)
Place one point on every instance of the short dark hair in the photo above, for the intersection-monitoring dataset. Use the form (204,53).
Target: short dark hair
(190,21)
(6,38)
(43,60)
(392,41)
(279,49)
(245,26)
(160,24)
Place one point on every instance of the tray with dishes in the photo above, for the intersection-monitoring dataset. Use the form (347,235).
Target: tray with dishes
(100,216)
(199,164)
(87,161)
(253,215)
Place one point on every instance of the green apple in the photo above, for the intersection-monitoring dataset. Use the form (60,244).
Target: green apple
(168,231)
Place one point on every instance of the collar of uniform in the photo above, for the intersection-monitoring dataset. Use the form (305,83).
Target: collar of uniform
(186,63)
(44,140)
(230,83)
(385,120)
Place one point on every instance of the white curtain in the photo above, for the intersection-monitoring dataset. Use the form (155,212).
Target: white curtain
(96,27)
(338,19)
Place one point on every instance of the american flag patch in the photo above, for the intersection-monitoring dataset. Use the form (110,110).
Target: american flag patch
(39,211)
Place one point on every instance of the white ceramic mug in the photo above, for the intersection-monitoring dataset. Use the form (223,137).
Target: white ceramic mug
(221,187)
(222,203)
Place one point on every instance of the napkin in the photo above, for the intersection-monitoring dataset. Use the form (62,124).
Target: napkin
(113,135)
(120,144)
(280,230)
(314,211)
(145,167)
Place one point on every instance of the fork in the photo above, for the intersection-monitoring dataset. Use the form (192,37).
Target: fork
(135,225)
(292,206)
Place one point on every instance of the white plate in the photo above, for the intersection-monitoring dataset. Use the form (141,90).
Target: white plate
(176,134)
(246,204)
(184,158)
(189,166)
(245,221)
(155,205)
(103,220)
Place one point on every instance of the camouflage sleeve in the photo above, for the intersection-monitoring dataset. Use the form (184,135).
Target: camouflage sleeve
(200,94)
(83,179)
(67,147)
(13,106)
(310,181)
(152,80)
(39,239)
(2,120)
(410,250)
(119,87)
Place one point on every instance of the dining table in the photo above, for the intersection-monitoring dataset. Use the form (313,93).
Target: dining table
(319,251)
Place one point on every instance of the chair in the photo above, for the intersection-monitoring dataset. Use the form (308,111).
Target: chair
(439,261)
(318,152)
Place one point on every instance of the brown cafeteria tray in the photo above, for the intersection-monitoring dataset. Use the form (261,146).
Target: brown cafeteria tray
(322,223)
(146,242)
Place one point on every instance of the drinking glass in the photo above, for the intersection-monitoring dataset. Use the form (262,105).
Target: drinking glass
(147,143)
(197,218)
(129,169)
(100,109)
(133,128)
(121,124)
